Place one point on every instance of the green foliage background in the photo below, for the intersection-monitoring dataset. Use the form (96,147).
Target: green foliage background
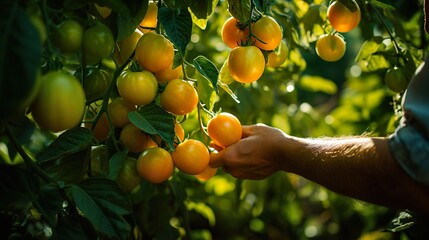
(45,187)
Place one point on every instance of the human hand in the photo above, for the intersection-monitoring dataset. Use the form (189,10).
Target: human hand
(256,156)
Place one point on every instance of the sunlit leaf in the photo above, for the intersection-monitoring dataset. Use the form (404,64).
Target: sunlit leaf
(371,56)
(208,70)
(240,9)
(318,84)
(201,11)
(204,210)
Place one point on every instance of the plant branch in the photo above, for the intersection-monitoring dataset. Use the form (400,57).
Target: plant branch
(32,166)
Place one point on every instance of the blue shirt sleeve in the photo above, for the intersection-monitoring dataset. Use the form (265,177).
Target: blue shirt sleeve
(410,144)
(411,151)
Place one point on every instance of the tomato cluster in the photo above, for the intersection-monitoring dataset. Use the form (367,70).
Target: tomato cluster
(246,61)
(342,18)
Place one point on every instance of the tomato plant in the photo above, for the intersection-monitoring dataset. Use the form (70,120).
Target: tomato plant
(330,47)
(232,34)
(68,36)
(154,52)
(224,129)
(267,32)
(246,64)
(138,88)
(88,129)
(60,102)
(191,157)
(344,18)
(179,97)
(155,165)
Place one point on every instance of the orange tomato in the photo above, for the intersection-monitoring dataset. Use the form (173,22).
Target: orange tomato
(169,74)
(330,48)
(135,139)
(246,64)
(154,52)
(118,110)
(232,34)
(179,97)
(127,46)
(155,165)
(342,18)
(138,88)
(224,129)
(102,127)
(191,156)
(278,57)
(180,132)
(269,31)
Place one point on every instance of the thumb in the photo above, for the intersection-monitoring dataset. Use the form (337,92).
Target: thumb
(216,159)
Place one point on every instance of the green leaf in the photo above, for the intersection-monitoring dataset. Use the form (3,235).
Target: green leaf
(154,120)
(178,26)
(208,70)
(115,164)
(70,169)
(23,131)
(71,141)
(225,79)
(104,204)
(206,93)
(318,84)
(74,4)
(71,227)
(18,189)
(240,9)
(201,11)
(20,60)
(49,202)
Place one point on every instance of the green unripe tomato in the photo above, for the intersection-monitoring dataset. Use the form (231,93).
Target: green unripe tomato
(98,43)
(68,36)
(60,102)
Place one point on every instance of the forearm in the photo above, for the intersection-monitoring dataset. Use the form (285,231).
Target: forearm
(361,168)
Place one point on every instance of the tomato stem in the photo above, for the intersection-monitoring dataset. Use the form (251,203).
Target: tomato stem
(27,160)
(395,44)
(249,37)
